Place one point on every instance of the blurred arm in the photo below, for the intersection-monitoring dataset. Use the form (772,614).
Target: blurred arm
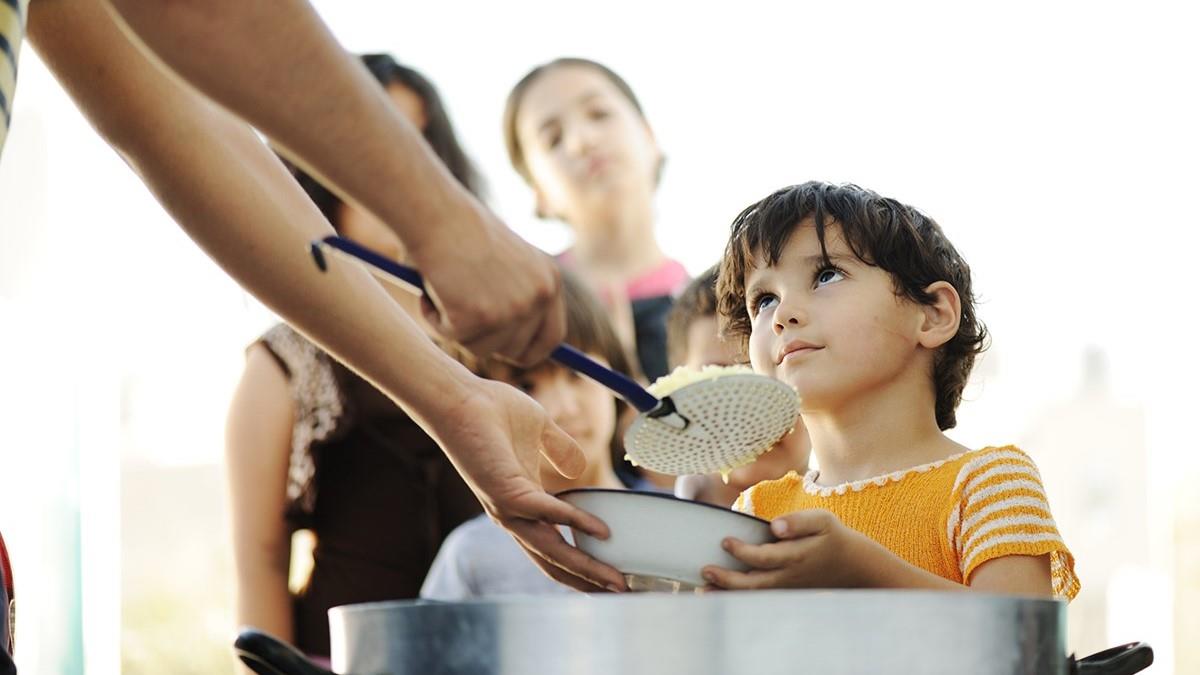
(238,202)
(258,438)
(276,65)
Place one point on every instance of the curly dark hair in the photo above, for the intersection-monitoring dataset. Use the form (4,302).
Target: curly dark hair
(880,232)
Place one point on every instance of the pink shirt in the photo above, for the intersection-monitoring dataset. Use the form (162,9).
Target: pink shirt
(668,278)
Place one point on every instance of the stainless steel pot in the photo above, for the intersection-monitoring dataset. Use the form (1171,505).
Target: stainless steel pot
(715,633)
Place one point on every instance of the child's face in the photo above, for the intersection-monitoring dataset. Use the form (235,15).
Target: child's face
(584,143)
(705,346)
(834,333)
(581,407)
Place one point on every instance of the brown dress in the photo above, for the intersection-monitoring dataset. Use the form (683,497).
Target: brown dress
(377,492)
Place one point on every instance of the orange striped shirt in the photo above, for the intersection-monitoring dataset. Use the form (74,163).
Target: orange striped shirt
(948,517)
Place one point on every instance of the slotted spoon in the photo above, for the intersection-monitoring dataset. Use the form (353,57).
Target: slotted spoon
(709,426)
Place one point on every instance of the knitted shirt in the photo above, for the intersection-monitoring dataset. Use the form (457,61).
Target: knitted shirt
(948,517)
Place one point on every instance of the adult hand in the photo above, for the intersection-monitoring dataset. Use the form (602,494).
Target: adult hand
(496,439)
(815,550)
(491,291)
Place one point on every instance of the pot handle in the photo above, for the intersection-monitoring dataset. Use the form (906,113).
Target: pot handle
(267,655)
(1122,660)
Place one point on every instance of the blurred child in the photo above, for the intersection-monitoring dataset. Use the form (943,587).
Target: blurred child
(694,341)
(863,305)
(480,559)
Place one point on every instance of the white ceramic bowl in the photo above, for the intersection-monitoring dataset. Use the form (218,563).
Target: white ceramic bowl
(660,542)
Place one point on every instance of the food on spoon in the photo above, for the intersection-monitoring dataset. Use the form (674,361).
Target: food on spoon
(683,376)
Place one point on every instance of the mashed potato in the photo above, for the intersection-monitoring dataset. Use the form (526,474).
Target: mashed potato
(683,376)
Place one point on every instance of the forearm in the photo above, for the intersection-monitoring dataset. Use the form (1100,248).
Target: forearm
(277,65)
(880,568)
(263,599)
(257,224)
(235,199)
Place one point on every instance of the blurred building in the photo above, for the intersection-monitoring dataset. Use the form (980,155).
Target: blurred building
(177,581)
(1187,579)
(1092,454)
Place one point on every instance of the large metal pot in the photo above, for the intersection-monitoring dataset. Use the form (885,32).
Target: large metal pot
(715,633)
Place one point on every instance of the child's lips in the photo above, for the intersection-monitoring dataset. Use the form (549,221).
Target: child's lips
(794,350)
(597,165)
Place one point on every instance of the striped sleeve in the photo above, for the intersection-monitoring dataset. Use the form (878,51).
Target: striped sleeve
(1002,511)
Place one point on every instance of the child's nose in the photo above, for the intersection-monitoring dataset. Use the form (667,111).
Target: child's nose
(789,315)
(581,139)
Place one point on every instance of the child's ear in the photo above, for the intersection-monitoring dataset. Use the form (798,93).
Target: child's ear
(940,319)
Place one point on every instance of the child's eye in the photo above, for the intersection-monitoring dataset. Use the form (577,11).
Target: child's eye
(526,386)
(598,113)
(828,275)
(760,301)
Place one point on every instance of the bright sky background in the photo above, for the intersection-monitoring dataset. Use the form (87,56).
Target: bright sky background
(1056,143)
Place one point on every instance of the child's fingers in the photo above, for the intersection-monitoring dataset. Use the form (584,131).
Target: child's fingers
(805,523)
(765,556)
(739,581)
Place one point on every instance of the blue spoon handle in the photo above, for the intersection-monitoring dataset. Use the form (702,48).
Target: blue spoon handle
(565,354)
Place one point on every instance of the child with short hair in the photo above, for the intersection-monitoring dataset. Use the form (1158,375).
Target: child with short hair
(694,341)
(864,306)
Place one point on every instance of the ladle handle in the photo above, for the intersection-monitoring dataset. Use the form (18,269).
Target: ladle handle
(564,354)
(267,655)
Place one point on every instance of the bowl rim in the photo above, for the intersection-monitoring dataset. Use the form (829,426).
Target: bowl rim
(661,495)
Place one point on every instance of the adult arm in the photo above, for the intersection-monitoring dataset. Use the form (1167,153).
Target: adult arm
(236,200)
(277,66)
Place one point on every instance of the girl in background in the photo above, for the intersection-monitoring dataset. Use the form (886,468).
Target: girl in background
(577,134)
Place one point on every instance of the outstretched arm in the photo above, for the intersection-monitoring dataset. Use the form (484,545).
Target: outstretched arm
(236,200)
(277,66)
